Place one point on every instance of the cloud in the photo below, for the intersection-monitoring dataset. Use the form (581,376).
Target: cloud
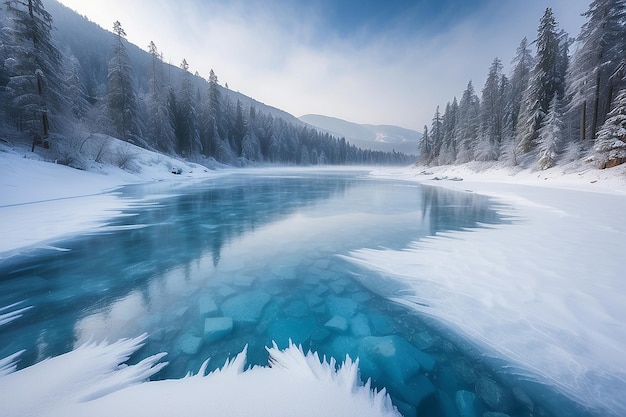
(290,56)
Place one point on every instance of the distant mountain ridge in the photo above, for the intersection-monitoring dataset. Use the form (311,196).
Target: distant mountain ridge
(375,137)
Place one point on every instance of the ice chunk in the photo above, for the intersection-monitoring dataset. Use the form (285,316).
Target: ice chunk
(296,330)
(424,340)
(244,280)
(494,395)
(226,291)
(314,300)
(207,305)
(216,328)
(468,404)
(464,371)
(338,306)
(297,309)
(359,326)
(337,324)
(246,307)
(382,324)
(394,363)
(188,344)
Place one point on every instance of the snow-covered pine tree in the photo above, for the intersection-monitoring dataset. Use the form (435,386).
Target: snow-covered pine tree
(602,48)
(186,130)
(468,124)
(436,135)
(238,130)
(159,121)
(610,145)
(550,135)
(121,98)
(76,91)
(34,89)
(447,154)
(545,82)
(425,147)
(491,114)
(251,150)
(522,66)
(211,118)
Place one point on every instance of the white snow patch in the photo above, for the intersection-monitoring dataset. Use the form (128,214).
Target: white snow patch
(93,381)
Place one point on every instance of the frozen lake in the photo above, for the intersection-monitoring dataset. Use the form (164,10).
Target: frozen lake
(255,257)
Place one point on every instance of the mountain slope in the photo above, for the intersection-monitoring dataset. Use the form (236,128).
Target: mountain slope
(375,137)
(81,37)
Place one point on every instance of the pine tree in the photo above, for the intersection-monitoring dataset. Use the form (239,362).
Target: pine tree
(76,92)
(250,148)
(159,121)
(436,135)
(468,124)
(238,129)
(211,118)
(550,135)
(522,66)
(186,128)
(447,154)
(546,81)
(34,87)
(602,47)
(491,114)
(610,146)
(425,147)
(121,98)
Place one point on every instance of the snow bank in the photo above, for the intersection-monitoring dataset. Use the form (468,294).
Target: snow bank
(42,201)
(545,293)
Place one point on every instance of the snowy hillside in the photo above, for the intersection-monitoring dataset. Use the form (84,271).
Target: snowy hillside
(376,137)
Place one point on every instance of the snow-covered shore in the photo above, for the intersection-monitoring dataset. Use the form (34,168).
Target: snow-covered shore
(544,293)
(41,201)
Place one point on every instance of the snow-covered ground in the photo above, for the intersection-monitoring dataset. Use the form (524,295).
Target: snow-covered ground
(544,293)
(41,201)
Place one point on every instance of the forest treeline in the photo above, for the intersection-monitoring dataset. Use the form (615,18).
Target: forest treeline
(57,100)
(553,107)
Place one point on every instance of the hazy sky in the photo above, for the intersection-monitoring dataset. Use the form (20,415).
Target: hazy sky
(383,62)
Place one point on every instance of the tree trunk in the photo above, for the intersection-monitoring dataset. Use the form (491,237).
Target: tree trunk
(583,121)
(596,106)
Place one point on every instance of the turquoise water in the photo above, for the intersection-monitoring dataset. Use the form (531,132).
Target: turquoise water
(250,258)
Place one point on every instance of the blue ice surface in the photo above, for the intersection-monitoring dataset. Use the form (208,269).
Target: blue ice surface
(249,259)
